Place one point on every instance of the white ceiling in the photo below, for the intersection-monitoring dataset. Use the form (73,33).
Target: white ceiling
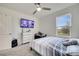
(28,8)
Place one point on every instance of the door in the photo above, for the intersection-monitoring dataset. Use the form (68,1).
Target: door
(5,31)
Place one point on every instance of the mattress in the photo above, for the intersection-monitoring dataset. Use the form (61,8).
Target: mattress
(41,46)
(48,45)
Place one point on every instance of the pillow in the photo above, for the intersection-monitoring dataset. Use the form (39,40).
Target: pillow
(68,43)
(74,39)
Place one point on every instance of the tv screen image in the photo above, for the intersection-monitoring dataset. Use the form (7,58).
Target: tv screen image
(25,23)
(31,24)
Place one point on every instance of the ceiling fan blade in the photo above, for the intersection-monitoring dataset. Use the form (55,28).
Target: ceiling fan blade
(44,8)
(37,4)
(34,12)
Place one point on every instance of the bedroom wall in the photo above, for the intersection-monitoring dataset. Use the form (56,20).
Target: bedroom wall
(47,25)
(50,19)
(15,17)
(74,11)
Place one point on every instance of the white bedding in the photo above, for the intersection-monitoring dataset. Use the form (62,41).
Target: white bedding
(40,45)
(46,46)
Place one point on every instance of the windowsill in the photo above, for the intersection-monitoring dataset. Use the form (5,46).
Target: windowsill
(63,36)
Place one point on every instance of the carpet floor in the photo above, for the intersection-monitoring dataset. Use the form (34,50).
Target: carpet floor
(23,50)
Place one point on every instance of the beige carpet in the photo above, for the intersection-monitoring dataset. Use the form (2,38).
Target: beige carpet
(22,50)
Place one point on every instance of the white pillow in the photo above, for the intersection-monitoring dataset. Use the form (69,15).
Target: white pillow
(74,39)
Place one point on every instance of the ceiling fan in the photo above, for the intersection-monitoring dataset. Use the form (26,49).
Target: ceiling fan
(39,8)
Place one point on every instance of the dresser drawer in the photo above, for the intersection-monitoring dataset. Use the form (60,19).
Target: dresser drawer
(28,38)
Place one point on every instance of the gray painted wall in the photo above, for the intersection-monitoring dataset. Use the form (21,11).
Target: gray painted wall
(48,23)
(13,17)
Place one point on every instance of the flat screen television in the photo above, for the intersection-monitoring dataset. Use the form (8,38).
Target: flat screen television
(25,23)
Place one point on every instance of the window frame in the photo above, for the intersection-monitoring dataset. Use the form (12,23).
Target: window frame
(70,24)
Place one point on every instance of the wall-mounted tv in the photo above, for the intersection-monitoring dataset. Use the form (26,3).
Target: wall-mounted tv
(25,23)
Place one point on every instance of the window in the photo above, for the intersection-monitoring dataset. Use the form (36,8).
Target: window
(63,25)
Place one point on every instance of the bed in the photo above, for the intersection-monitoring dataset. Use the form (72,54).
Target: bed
(49,46)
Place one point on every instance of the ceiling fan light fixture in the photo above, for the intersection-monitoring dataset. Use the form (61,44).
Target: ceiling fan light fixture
(39,9)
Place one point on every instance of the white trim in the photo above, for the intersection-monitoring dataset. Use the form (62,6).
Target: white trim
(70,24)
